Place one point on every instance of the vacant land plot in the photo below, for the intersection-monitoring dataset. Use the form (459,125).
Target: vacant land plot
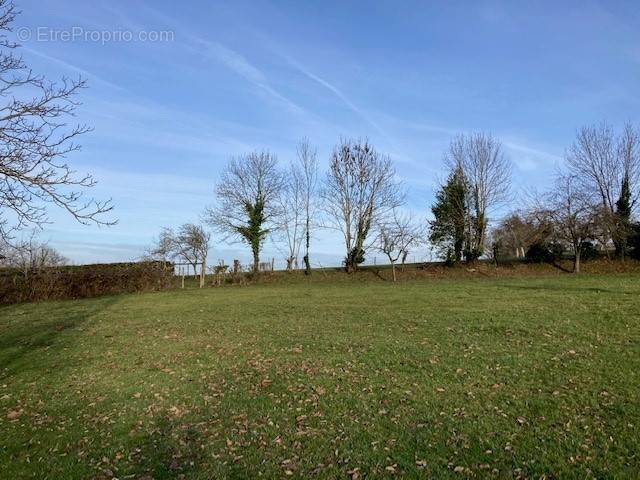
(468,378)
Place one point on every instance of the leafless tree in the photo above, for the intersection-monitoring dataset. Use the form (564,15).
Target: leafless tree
(518,231)
(297,202)
(34,142)
(164,248)
(308,164)
(290,221)
(607,167)
(571,213)
(487,172)
(396,235)
(29,255)
(360,189)
(247,200)
(191,243)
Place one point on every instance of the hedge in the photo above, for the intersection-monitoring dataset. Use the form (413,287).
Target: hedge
(83,281)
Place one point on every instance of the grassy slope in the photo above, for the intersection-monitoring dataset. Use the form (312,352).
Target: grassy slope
(494,377)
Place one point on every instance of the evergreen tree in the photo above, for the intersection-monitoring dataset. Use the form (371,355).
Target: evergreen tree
(450,211)
(623,218)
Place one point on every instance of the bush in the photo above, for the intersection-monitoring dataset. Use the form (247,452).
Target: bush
(69,282)
(588,251)
(539,253)
(634,241)
(557,251)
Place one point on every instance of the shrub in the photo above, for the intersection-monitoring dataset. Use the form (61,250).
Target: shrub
(588,251)
(83,281)
(557,251)
(539,253)
(634,241)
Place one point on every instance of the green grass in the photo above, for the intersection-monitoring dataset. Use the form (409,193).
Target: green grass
(467,378)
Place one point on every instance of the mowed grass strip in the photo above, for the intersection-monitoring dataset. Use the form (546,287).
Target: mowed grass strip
(467,378)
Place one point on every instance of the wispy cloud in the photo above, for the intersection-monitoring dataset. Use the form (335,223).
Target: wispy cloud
(232,59)
(530,158)
(240,65)
(78,70)
(333,89)
(129,120)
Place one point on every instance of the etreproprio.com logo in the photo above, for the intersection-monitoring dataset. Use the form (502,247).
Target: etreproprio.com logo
(81,34)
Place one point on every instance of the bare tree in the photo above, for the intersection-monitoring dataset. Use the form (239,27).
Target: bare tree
(291,220)
(396,236)
(29,255)
(308,163)
(191,243)
(247,200)
(518,231)
(297,202)
(607,166)
(360,189)
(487,172)
(34,142)
(571,213)
(413,234)
(164,248)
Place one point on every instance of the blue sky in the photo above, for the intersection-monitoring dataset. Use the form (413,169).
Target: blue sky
(237,76)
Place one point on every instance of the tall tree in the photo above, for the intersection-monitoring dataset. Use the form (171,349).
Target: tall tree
(308,164)
(290,221)
(34,142)
(297,201)
(360,189)
(607,167)
(450,216)
(487,173)
(247,200)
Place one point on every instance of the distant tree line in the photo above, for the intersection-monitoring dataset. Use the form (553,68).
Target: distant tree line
(589,206)
(360,197)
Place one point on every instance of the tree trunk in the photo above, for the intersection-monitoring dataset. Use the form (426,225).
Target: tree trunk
(576,260)
(620,249)
(458,247)
(203,271)
(393,270)
(256,260)
(307,265)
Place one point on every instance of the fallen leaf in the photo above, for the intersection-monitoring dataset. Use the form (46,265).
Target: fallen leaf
(13,414)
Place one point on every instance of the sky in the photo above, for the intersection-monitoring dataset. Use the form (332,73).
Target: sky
(175,89)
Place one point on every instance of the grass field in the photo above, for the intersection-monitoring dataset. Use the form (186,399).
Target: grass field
(505,378)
